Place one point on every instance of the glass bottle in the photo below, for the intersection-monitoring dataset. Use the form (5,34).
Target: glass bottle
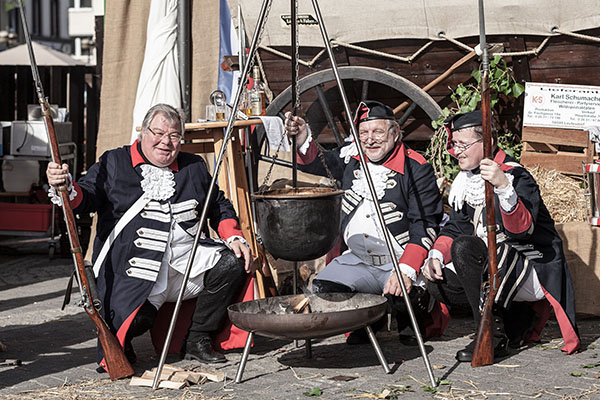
(257,93)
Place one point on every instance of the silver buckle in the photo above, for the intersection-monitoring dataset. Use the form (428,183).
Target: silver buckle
(378,260)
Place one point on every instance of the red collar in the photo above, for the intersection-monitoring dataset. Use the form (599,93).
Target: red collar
(137,158)
(395,161)
(499,158)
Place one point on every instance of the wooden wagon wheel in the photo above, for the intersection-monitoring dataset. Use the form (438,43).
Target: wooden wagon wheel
(323,109)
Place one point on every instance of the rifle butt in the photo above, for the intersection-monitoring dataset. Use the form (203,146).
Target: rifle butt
(116,362)
(483,351)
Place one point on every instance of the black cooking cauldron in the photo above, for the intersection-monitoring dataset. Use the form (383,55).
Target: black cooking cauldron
(299,224)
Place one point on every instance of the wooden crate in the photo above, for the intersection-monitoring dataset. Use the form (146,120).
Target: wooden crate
(563,150)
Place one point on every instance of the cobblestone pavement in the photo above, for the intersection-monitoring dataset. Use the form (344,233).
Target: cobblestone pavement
(57,350)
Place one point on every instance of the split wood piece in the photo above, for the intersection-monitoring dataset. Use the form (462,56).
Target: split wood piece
(301,306)
(176,378)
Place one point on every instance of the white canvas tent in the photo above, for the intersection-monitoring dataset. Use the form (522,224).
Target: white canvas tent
(354,21)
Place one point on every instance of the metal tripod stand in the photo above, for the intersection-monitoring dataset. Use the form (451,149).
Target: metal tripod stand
(252,52)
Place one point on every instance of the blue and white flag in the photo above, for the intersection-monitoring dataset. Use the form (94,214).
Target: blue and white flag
(228,46)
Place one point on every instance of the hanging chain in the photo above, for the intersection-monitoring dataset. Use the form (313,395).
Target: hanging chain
(298,110)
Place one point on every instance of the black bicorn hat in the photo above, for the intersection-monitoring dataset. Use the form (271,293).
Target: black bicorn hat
(369,110)
(463,121)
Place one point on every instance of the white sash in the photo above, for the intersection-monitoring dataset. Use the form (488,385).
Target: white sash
(128,216)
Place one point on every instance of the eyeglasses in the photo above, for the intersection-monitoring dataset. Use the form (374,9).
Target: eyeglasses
(377,135)
(463,147)
(158,136)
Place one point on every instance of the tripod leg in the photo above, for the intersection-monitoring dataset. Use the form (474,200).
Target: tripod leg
(377,349)
(245,354)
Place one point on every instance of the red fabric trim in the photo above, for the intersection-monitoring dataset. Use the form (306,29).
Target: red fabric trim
(543,309)
(158,333)
(232,337)
(137,159)
(518,220)
(569,335)
(122,332)
(443,245)
(499,158)
(79,197)
(436,321)
(413,256)
(335,251)
(396,161)
(310,156)
(229,227)
(415,156)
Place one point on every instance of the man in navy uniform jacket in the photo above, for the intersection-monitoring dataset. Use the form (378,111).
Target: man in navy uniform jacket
(148,197)
(532,269)
(410,201)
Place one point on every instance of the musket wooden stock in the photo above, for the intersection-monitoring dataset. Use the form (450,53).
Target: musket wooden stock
(483,352)
(116,362)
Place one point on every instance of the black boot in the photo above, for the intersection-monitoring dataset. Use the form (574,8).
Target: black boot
(222,284)
(519,319)
(202,350)
(500,342)
(360,336)
(419,300)
(142,322)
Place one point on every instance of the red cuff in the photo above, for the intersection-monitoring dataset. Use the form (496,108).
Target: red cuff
(228,228)
(310,155)
(518,220)
(79,197)
(443,245)
(413,256)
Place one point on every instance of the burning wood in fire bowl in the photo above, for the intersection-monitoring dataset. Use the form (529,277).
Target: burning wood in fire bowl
(302,317)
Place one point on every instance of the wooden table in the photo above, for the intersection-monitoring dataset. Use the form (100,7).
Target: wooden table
(207,137)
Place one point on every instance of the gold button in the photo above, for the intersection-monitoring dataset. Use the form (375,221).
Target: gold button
(368,215)
(144,214)
(366,235)
(139,243)
(369,251)
(132,262)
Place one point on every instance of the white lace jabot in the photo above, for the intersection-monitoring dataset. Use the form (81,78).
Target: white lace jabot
(470,187)
(158,183)
(381,180)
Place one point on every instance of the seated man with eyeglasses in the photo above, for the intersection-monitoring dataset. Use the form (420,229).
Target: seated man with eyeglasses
(532,268)
(410,201)
(149,197)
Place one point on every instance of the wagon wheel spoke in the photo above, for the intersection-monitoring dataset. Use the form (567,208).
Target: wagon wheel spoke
(328,115)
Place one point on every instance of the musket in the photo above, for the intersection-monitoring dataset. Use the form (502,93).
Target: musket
(116,361)
(483,351)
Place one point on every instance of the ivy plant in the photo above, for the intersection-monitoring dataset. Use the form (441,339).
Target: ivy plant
(465,98)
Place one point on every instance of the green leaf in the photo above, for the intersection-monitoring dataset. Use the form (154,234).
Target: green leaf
(594,365)
(577,373)
(430,389)
(315,392)
(473,102)
(477,75)
(445,382)
(518,89)
(497,73)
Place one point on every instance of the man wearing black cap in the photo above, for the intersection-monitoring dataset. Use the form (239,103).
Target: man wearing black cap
(533,274)
(410,201)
